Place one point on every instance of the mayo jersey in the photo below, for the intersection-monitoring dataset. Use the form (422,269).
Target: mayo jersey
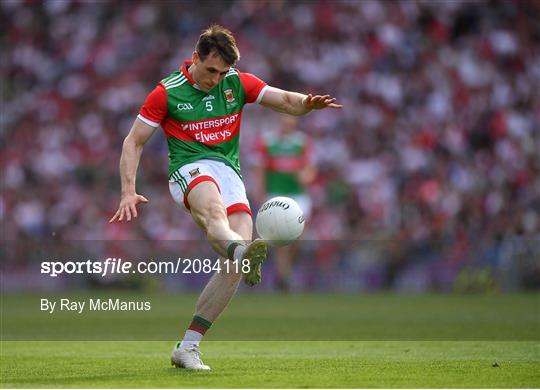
(201,125)
(283,157)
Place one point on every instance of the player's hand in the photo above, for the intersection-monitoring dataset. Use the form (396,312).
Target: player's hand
(128,207)
(318,102)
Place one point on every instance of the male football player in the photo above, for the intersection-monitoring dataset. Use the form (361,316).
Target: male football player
(284,167)
(199,108)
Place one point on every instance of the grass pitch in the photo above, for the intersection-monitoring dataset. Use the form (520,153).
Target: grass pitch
(298,364)
(276,341)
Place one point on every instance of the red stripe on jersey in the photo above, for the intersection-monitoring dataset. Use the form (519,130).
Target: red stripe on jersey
(286,163)
(211,131)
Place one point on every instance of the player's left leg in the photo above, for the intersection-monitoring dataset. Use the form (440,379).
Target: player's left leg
(223,285)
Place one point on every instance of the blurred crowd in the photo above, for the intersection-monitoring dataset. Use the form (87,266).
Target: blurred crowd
(429,178)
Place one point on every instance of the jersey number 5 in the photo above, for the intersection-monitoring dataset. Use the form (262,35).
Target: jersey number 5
(209,106)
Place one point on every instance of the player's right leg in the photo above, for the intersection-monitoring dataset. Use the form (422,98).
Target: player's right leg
(208,211)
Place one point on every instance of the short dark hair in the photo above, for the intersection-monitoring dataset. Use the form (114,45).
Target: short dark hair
(218,40)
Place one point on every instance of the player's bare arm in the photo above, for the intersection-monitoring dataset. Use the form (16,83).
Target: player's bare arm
(295,103)
(132,149)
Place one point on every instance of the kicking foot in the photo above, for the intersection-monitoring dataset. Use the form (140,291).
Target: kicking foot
(256,253)
(187,357)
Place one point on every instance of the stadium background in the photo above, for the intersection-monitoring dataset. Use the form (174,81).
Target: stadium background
(428,178)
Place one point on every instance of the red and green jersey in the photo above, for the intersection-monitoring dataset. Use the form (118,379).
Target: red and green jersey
(201,125)
(283,157)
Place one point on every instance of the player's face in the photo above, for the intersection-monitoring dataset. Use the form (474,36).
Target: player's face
(210,72)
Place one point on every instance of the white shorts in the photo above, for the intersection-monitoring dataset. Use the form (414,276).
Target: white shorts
(229,184)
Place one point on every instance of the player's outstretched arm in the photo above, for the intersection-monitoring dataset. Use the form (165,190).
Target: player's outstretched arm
(295,103)
(129,161)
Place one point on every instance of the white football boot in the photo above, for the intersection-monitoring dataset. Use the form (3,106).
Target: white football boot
(187,357)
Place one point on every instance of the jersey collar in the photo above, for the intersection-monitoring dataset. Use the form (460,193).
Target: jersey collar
(186,73)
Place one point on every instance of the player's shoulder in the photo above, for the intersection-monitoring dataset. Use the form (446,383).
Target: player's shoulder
(174,80)
(233,72)
(232,80)
(233,77)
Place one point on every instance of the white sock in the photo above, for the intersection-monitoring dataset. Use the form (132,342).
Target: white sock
(191,339)
(239,252)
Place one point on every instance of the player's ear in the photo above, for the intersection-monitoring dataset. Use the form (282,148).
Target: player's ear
(195,57)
